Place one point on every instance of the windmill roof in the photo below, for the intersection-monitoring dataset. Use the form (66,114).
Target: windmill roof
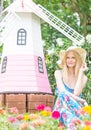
(20,6)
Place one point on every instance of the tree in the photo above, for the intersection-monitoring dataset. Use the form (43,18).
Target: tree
(76,14)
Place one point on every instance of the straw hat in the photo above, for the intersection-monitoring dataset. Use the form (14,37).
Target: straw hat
(79,50)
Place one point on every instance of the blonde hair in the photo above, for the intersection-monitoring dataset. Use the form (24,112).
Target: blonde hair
(65,69)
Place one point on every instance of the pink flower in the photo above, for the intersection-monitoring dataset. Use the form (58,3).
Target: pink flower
(87,123)
(14,110)
(20,117)
(76,121)
(71,126)
(77,112)
(58,102)
(66,98)
(48,109)
(64,116)
(55,114)
(82,111)
(40,107)
(11,119)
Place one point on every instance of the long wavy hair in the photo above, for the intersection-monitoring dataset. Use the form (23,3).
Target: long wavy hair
(65,68)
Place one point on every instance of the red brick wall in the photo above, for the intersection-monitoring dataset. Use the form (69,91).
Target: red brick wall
(26,102)
(16,100)
(36,99)
(2,100)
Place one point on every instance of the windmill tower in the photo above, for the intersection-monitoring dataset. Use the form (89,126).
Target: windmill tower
(23,69)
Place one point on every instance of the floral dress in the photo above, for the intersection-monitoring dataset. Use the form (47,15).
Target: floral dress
(67,106)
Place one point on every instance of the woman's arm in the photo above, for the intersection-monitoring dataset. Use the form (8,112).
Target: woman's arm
(59,82)
(60,85)
(81,81)
(77,98)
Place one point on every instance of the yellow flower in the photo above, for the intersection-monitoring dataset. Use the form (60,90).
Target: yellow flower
(45,113)
(26,117)
(87,109)
(86,128)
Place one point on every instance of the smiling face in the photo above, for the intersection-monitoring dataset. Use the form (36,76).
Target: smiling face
(70,59)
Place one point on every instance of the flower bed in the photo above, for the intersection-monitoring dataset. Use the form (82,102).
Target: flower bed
(43,119)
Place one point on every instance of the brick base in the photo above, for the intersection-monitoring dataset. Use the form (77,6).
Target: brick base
(2,100)
(36,99)
(26,102)
(16,100)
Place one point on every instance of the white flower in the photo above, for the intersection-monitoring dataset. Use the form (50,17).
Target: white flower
(51,51)
(78,18)
(88,38)
(59,41)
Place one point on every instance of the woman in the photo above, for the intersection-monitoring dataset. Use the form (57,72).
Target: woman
(70,82)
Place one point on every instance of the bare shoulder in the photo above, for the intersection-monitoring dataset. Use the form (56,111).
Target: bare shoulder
(57,73)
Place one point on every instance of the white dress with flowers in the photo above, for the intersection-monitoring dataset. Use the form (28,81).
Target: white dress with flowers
(68,107)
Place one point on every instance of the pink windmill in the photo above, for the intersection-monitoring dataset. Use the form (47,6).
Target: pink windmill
(23,66)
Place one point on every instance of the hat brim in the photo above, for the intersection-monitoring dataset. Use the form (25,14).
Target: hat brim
(79,50)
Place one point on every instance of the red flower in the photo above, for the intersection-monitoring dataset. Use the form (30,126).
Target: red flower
(40,107)
(55,114)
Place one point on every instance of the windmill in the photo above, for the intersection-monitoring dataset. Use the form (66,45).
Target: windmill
(23,69)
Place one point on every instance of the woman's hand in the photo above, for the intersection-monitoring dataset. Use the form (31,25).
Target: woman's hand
(77,98)
(83,67)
